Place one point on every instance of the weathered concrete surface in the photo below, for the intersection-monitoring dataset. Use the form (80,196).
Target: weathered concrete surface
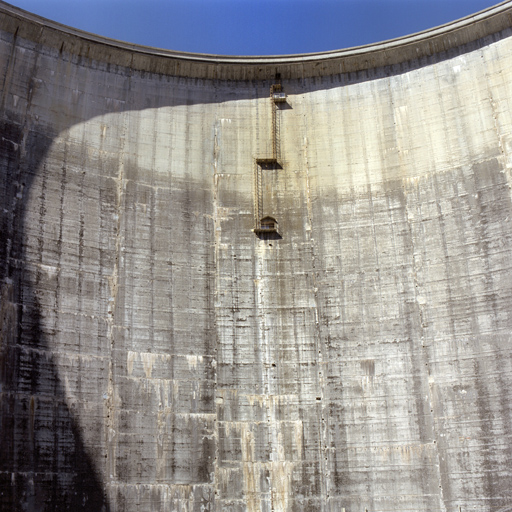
(156,355)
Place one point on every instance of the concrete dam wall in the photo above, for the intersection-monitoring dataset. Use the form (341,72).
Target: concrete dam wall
(164,349)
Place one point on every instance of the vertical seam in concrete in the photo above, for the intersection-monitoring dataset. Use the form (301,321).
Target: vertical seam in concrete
(10,68)
(216,269)
(449,303)
(324,467)
(20,152)
(113,284)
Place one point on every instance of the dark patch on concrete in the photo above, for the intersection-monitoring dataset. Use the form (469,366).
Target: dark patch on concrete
(44,465)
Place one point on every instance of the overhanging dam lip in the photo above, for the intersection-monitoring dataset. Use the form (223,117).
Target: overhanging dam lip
(201,65)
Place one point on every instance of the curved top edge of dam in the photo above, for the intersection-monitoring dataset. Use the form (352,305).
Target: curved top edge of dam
(421,45)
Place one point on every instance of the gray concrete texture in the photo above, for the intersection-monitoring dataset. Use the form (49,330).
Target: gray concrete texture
(157,355)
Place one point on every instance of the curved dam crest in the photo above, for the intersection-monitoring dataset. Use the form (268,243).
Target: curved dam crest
(161,351)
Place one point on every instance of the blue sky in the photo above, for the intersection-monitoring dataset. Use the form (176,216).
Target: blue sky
(253,27)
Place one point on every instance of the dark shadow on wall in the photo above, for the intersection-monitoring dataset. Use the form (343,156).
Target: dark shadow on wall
(272,235)
(44,462)
(44,465)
